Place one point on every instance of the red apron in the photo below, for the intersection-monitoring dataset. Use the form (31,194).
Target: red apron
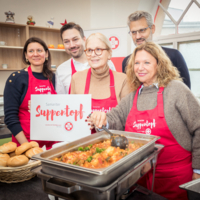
(104,105)
(174,165)
(35,86)
(73,72)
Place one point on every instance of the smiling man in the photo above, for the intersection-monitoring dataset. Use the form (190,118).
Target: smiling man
(141,30)
(73,39)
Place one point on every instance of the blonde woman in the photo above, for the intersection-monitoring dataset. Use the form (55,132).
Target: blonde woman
(106,86)
(160,104)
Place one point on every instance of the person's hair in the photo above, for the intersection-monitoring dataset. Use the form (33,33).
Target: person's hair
(71,25)
(101,37)
(166,72)
(47,72)
(139,15)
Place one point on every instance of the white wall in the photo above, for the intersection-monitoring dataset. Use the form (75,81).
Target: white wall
(42,10)
(111,13)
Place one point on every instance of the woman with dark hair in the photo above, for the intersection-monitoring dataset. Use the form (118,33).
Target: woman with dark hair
(37,78)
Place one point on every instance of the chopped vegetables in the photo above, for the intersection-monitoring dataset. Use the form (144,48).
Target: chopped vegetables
(98,150)
(89,159)
(85,149)
(98,155)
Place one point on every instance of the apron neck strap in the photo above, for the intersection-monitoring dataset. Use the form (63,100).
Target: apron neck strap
(112,85)
(160,102)
(73,67)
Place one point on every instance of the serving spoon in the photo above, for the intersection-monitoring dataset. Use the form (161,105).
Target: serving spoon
(117,140)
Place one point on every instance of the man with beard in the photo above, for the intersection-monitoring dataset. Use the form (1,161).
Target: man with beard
(141,30)
(74,42)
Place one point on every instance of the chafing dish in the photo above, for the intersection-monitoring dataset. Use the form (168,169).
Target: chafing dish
(95,177)
(193,189)
(68,189)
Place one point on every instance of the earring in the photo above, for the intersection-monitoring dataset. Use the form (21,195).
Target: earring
(46,58)
(27,60)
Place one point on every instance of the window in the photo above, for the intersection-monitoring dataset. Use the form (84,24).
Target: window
(179,23)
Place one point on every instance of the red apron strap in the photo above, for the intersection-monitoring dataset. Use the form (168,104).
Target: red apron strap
(87,84)
(112,85)
(73,72)
(73,67)
(160,102)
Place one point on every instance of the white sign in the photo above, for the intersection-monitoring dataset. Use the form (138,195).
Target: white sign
(59,117)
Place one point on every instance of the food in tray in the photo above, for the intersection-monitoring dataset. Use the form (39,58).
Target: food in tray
(98,155)
(13,156)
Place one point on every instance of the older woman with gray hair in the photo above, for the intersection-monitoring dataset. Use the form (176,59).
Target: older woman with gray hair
(106,86)
(160,104)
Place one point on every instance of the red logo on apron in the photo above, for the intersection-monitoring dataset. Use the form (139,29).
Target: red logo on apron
(114,42)
(68,126)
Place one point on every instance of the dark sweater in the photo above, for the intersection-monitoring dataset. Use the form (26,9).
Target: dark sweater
(177,60)
(14,93)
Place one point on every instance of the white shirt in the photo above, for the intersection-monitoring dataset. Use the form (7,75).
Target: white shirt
(64,72)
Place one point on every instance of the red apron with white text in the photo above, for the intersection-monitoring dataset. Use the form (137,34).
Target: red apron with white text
(73,72)
(35,86)
(104,105)
(174,165)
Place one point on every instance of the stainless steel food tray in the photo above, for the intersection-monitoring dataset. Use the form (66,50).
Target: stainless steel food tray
(67,189)
(193,189)
(95,177)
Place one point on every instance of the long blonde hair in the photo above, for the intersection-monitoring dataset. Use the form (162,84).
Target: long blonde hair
(166,72)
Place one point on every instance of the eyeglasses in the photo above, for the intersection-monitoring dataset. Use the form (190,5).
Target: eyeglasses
(97,51)
(141,31)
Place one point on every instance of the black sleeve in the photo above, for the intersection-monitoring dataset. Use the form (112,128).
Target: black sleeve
(179,62)
(124,64)
(54,81)
(13,93)
(183,69)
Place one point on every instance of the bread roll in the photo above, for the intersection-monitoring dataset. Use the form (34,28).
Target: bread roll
(34,144)
(12,154)
(8,147)
(17,161)
(33,151)
(24,147)
(3,159)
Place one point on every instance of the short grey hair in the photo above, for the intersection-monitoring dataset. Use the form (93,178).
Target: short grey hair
(138,15)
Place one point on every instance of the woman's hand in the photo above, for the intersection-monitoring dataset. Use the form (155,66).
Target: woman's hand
(98,119)
(195,176)
(90,123)
(146,168)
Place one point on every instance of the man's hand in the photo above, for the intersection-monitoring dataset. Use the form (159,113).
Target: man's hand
(195,176)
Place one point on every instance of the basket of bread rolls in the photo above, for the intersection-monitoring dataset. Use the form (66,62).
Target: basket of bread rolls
(16,163)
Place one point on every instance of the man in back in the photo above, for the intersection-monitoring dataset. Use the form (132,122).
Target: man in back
(73,39)
(141,30)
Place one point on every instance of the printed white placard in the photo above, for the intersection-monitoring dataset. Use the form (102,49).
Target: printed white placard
(59,117)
